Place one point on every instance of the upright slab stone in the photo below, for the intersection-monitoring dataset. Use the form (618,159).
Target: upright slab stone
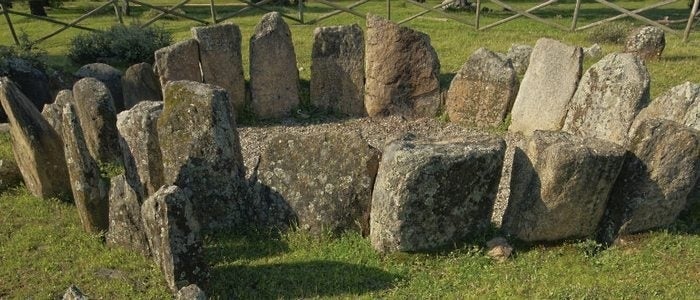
(221,60)
(179,61)
(201,151)
(680,104)
(611,94)
(90,190)
(98,119)
(658,174)
(32,82)
(138,138)
(37,147)
(274,78)
(646,42)
(402,71)
(53,113)
(433,194)
(326,178)
(549,83)
(482,92)
(140,84)
(174,237)
(110,76)
(125,225)
(520,57)
(560,185)
(338,70)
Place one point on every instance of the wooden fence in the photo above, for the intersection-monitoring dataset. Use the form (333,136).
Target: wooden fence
(473,20)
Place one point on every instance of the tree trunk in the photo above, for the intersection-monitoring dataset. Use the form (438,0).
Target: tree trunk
(36,7)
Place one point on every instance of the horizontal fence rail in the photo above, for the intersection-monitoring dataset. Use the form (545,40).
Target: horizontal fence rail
(473,19)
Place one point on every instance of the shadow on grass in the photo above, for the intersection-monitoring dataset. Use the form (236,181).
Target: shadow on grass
(298,280)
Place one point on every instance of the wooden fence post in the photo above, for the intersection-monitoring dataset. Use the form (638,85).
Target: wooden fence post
(9,23)
(691,18)
(574,20)
(213,11)
(388,9)
(118,11)
(301,10)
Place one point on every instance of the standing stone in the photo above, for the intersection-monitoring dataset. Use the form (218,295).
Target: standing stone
(402,71)
(53,113)
(520,57)
(559,186)
(32,82)
(37,147)
(138,138)
(174,237)
(482,92)
(338,70)
(222,63)
(90,189)
(326,178)
(201,151)
(140,84)
(647,42)
(611,94)
(179,61)
(110,76)
(547,88)
(661,169)
(432,194)
(98,119)
(680,104)
(125,225)
(274,78)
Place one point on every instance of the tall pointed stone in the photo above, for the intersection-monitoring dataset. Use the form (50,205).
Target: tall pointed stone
(402,71)
(110,76)
(98,119)
(37,147)
(274,77)
(221,60)
(179,61)
(140,84)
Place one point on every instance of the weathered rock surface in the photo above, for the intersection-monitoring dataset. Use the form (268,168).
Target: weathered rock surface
(191,292)
(559,186)
(432,194)
(140,83)
(482,92)
(520,57)
(37,147)
(138,137)
(652,189)
(680,104)
(98,119)
(594,51)
(402,71)
(74,293)
(499,249)
(609,97)
(52,112)
(549,83)
(174,237)
(647,42)
(274,78)
(125,225)
(179,61)
(10,175)
(32,82)
(338,70)
(326,178)
(201,151)
(90,189)
(110,76)
(221,60)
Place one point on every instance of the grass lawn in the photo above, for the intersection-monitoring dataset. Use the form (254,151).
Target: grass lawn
(43,248)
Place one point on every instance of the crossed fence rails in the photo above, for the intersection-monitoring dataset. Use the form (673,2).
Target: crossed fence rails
(475,22)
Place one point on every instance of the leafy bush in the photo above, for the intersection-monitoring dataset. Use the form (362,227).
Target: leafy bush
(611,33)
(119,45)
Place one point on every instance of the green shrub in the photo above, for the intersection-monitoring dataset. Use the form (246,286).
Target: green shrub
(611,33)
(119,45)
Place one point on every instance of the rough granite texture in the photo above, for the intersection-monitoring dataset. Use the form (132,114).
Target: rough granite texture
(32,82)
(125,225)
(140,83)
(646,42)
(433,194)
(52,112)
(520,57)
(560,185)
(191,292)
(98,119)
(110,76)
(179,61)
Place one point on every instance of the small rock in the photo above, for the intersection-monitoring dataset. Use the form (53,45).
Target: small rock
(499,249)
(191,292)
(594,51)
(74,293)
(647,42)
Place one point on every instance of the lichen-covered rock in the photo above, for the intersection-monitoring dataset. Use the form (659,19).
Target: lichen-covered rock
(110,76)
(326,178)
(338,70)
(90,189)
(98,119)
(594,51)
(37,147)
(74,293)
(274,77)
(659,171)
(32,82)
(221,60)
(52,112)
(174,237)
(140,83)
(125,225)
(646,42)
(559,186)
(191,292)
(549,83)
(432,194)
(402,71)
(138,137)
(201,151)
(520,57)
(179,61)
(609,97)
(482,92)
(680,104)
(10,175)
